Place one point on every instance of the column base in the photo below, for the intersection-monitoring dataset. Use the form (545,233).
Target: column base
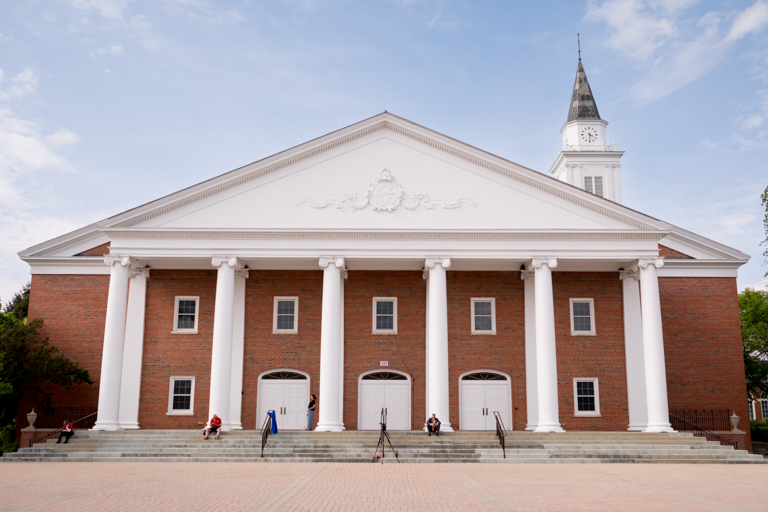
(549,428)
(637,428)
(530,427)
(106,425)
(237,426)
(130,425)
(651,429)
(329,427)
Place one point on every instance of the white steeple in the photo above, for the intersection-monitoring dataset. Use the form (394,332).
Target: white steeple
(587,160)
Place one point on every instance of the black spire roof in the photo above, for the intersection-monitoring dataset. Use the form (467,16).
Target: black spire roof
(583,104)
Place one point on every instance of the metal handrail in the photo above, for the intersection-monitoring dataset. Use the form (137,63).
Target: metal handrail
(708,419)
(266,429)
(501,432)
(48,435)
(683,425)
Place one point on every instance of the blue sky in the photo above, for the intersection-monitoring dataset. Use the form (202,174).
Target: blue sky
(108,104)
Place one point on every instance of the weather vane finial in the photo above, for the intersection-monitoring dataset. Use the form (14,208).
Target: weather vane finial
(578,42)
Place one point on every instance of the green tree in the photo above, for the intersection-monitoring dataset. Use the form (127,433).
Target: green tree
(30,360)
(753,308)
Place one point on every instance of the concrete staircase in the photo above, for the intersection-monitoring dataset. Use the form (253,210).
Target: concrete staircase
(358,446)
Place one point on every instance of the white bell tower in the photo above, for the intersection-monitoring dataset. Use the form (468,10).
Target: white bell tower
(587,160)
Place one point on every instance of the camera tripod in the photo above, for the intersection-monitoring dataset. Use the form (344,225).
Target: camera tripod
(384,435)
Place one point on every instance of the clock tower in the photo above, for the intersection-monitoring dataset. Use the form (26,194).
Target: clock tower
(587,160)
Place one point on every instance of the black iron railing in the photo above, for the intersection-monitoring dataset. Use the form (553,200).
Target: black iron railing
(53,417)
(501,432)
(708,419)
(682,425)
(266,429)
(81,424)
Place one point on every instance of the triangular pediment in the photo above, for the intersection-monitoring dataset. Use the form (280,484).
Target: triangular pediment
(386,174)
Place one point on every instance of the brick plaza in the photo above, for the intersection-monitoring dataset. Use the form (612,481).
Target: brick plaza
(372,487)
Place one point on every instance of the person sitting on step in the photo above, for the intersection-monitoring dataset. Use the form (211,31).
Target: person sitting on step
(213,426)
(67,431)
(433,425)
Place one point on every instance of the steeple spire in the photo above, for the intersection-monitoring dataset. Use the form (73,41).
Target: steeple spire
(583,104)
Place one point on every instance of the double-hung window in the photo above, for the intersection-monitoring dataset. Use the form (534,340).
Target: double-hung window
(751,410)
(385,315)
(286,316)
(185,315)
(483,315)
(586,397)
(582,317)
(181,396)
(764,408)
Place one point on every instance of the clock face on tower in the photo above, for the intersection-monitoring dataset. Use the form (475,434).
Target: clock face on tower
(589,134)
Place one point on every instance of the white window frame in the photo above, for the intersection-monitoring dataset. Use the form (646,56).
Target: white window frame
(295,329)
(751,410)
(175,329)
(493,315)
(181,412)
(393,331)
(587,414)
(592,180)
(764,408)
(592,332)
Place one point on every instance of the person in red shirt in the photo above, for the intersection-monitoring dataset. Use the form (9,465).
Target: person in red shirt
(67,431)
(213,426)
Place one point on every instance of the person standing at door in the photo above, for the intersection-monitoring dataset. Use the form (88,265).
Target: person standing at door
(311,412)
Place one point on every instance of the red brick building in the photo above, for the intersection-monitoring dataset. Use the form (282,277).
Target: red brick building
(387,266)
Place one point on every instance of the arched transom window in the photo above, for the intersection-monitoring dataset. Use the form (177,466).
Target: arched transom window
(385,376)
(484,376)
(284,376)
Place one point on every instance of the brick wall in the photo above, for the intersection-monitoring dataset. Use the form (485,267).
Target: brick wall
(266,351)
(702,345)
(504,352)
(600,356)
(404,351)
(167,354)
(99,250)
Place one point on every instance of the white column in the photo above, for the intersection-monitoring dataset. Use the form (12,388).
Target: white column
(427,413)
(238,351)
(653,347)
(633,349)
(546,357)
(437,341)
(341,349)
(114,339)
(531,387)
(221,352)
(133,351)
(330,347)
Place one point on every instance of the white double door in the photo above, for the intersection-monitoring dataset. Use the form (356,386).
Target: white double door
(394,396)
(288,398)
(479,400)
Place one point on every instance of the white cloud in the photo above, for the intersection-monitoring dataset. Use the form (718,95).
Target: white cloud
(753,19)
(758,286)
(200,10)
(681,48)
(437,22)
(751,122)
(20,85)
(107,9)
(62,137)
(114,49)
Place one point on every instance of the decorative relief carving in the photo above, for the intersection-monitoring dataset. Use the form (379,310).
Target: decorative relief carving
(527,273)
(328,260)
(232,261)
(536,263)
(631,273)
(137,270)
(385,195)
(656,262)
(111,259)
(444,262)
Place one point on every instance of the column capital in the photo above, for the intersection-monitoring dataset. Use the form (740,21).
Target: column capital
(525,274)
(328,260)
(656,262)
(126,261)
(241,272)
(138,270)
(232,261)
(632,272)
(536,263)
(444,262)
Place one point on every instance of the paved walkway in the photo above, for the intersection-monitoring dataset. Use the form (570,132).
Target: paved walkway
(374,487)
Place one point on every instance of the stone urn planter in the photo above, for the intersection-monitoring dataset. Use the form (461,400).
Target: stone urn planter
(735,421)
(32,418)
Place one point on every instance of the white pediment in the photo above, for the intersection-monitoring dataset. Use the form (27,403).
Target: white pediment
(390,180)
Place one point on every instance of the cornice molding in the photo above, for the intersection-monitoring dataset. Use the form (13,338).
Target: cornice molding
(314,234)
